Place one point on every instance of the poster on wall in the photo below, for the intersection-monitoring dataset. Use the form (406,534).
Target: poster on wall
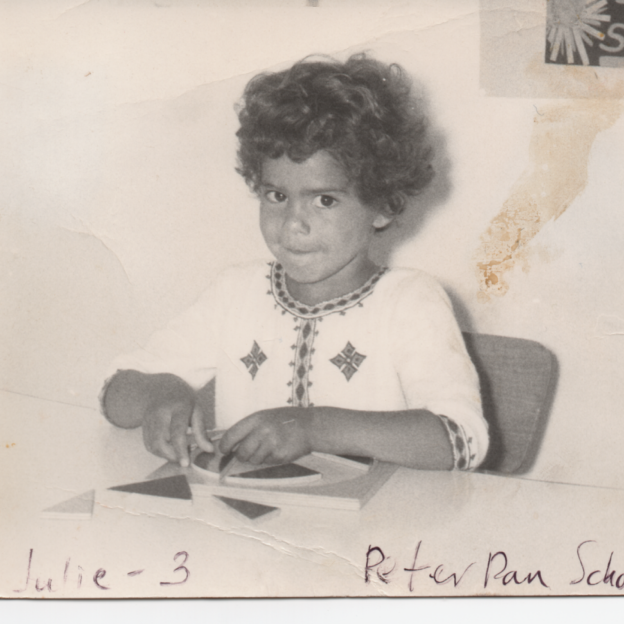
(585,33)
(311,299)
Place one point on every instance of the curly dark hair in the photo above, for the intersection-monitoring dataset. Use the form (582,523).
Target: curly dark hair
(362,112)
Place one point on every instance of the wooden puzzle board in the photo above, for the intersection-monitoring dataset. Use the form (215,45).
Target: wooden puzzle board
(341,486)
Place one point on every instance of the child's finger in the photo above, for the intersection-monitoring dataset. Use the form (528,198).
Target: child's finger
(236,433)
(248,447)
(262,455)
(155,442)
(197,426)
(162,448)
(178,427)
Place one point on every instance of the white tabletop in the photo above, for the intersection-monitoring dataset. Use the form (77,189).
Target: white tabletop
(51,452)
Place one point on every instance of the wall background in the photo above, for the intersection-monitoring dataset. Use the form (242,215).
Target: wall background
(119,201)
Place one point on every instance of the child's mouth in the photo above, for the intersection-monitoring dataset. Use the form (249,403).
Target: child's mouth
(298,252)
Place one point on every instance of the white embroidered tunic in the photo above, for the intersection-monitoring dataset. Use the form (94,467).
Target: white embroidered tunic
(393,344)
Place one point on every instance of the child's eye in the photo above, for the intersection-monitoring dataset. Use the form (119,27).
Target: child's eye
(324,201)
(275,197)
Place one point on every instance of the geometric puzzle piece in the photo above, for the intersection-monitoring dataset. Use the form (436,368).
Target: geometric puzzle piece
(358,459)
(77,508)
(250,510)
(169,487)
(213,464)
(280,471)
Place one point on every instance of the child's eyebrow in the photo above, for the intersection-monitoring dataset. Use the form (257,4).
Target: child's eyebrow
(327,191)
(310,191)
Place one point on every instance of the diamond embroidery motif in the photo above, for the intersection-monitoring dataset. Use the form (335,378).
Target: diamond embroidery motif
(254,359)
(348,361)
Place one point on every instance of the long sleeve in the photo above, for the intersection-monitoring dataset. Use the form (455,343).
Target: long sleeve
(434,368)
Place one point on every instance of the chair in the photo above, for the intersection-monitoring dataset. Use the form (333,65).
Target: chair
(518,381)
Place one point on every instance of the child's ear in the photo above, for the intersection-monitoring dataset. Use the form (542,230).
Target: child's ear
(382,220)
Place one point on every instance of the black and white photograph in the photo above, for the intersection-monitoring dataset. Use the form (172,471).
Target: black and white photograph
(311,299)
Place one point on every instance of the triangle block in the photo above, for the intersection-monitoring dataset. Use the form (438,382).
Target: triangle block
(358,459)
(77,508)
(169,487)
(250,510)
(281,471)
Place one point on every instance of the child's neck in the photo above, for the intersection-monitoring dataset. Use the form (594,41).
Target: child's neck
(332,287)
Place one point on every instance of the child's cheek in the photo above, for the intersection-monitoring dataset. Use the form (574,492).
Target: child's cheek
(267,224)
(270,228)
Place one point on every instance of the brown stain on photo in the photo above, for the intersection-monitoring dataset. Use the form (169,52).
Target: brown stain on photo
(563,134)
(573,82)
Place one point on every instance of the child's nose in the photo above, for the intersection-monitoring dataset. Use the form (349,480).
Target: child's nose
(297,218)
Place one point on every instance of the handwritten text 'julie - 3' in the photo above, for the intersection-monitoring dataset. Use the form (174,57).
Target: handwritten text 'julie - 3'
(76,575)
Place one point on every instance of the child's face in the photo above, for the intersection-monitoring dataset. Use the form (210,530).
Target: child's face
(316,226)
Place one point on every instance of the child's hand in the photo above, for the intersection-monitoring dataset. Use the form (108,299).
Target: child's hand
(165,431)
(273,436)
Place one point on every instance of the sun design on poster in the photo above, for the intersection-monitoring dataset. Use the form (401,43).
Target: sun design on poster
(571,24)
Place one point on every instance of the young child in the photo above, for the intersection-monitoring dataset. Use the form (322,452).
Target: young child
(320,350)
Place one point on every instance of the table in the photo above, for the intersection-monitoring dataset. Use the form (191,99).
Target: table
(423,533)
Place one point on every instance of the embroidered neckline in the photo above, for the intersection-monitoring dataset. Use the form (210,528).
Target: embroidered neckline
(280,293)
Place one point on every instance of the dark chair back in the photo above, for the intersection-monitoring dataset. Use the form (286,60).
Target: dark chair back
(518,381)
